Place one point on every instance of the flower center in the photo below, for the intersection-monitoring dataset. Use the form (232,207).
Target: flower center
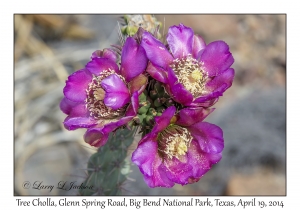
(96,95)
(190,73)
(174,141)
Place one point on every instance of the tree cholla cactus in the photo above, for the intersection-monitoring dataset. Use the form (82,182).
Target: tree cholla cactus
(108,168)
(163,90)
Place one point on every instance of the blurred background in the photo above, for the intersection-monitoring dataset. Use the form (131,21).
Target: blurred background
(252,113)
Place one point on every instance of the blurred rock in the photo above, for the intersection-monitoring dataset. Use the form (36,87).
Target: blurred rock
(48,166)
(254,129)
(270,184)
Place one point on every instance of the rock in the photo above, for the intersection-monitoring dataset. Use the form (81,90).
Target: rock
(247,184)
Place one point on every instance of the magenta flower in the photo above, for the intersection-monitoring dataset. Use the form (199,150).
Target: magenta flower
(179,149)
(194,73)
(102,96)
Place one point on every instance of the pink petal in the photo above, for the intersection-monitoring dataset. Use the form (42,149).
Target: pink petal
(177,90)
(138,83)
(221,82)
(156,51)
(192,115)
(97,65)
(159,178)
(76,85)
(66,105)
(215,88)
(201,161)
(157,72)
(180,94)
(180,40)
(133,59)
(164,120)
(106,53)
(216,58)
(72,123)
(198,46)
(178,171)
(209,137)
(144,155)
(114,125)
(95,137)
(150,164)
(133,106)
(116,92)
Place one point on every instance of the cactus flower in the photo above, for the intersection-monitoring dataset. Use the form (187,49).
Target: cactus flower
(179,149)
(102,96)
(195,74)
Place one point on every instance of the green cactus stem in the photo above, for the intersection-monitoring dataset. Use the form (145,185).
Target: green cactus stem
(108,167)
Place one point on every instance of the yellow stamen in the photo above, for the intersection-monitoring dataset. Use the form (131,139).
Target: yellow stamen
(190,73)
(99,94)
(181,148)
(177,146)
(196,75)
(174,141)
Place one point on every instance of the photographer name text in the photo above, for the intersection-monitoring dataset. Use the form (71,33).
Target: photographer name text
(62,185)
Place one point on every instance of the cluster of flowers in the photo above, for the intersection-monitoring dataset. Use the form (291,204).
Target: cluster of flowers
(167,90)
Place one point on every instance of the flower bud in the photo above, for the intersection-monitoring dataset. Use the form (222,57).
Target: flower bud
(157,102)
(144,108)
(143,96)
(169,102)
(149,120)
(153,94)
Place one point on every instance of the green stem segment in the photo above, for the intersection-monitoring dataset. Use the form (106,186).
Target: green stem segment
(108,168)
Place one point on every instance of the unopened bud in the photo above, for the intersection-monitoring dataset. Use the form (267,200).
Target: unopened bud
(153,94)
(144,108)
(169,102)
(142,117)
(157,103)
(159,87)
(149,120)
(152,112)
(160,109)
(143,97)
